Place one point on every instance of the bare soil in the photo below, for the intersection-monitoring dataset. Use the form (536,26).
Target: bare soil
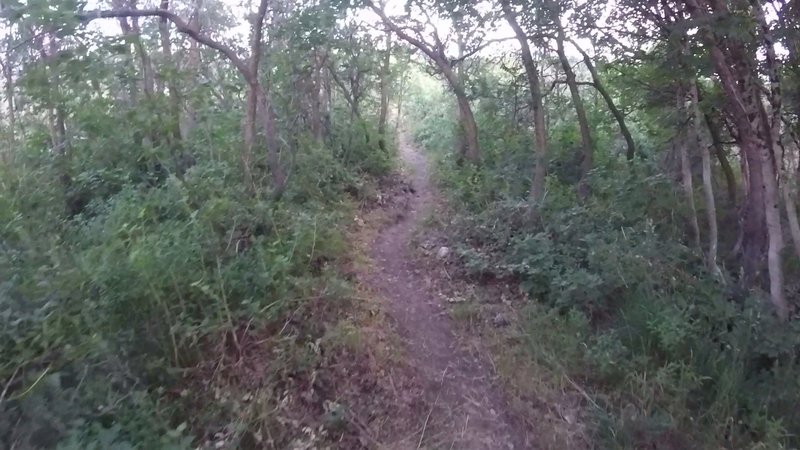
(465,407)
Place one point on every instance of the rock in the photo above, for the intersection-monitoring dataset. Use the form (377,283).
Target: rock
(443,252)
(500,320)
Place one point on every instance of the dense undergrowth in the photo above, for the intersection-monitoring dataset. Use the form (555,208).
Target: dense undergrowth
(150,303)
(671,356)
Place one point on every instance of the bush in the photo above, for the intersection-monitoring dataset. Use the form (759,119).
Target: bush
(111,312)
(669,352)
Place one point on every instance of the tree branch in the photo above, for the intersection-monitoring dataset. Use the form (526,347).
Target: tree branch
(181,26)
(424,48)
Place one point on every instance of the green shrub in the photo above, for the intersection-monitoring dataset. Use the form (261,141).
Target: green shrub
(668,351)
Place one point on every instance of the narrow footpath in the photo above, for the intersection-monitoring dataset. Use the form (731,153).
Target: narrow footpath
(467,409)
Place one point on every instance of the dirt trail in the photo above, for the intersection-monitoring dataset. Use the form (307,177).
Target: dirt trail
(467,411)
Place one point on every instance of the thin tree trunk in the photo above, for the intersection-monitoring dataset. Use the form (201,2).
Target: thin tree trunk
(316,97)
(708,187)
(719,151)
(188,115)
(587,158)
(772,152)
(774,233)
(254,91)
(681,142)
(539,132)
(172,88)
(620,118)
(127,34)
(400,95)
(8,76)
(790,204)
(148,76)
(385,82)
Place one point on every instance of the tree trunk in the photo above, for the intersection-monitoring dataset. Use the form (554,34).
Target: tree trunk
(385,83)
(172,88)
(774,233)
(400,94)
(708,187)
(719,151)
(278,176)
(188,116)
(681,143)
(254,92)
(587,157)
(734,63)
(316,97)
(537,105)
(148,77)
(466,119)
(8,76)
(598,85)
(436,55)
(790,204)
(771,154)
(468,127)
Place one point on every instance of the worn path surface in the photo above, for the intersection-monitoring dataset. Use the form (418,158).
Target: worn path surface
(467,410)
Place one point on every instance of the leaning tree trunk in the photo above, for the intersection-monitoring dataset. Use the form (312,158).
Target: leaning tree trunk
(612,107)
(436,55)
(466,118)
(539,132)
(468,127)
(587,157)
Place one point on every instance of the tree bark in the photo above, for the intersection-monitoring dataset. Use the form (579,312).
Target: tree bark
(537,105)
